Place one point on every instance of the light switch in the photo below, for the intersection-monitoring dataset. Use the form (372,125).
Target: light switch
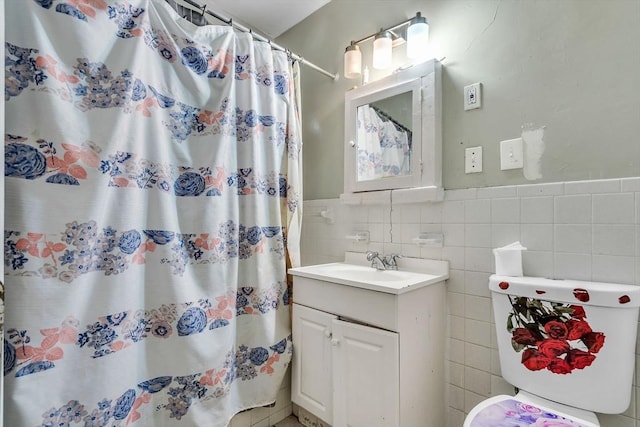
(511,154)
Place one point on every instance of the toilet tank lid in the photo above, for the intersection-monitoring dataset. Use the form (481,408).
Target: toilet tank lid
(568,291)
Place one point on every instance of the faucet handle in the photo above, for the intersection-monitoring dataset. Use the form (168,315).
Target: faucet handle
(371,255)
(391,260)
(393,257)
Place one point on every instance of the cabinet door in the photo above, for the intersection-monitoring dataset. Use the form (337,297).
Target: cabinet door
(365,376)
(311,366)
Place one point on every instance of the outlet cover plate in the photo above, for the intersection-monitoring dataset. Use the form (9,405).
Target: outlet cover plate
(511,154)
(472,96)
(473,160)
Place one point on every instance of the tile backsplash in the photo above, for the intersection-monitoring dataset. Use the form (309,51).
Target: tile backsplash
(585,230)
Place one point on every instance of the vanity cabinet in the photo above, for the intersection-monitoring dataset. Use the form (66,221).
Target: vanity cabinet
(311,375)
(345,374)
(369,354)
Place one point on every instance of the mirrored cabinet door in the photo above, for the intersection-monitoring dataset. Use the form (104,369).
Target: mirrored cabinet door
(384,138)
(388,129)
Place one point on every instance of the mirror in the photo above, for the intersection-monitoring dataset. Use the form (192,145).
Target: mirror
(384,138)
(392,131)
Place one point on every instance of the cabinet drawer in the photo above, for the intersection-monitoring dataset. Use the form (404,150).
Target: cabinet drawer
(371,307)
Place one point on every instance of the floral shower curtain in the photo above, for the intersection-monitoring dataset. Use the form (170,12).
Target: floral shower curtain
(152,198)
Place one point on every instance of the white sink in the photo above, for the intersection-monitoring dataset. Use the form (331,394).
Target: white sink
(412,273)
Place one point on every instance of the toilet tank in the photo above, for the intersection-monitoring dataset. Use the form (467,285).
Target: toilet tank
(571,342)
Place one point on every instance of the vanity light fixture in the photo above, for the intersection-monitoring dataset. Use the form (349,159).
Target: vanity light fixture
(416,35)
(352,61)
(382,50)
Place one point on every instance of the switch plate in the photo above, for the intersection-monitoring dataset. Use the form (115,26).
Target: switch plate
(472,96)
(511,154)
(473,160)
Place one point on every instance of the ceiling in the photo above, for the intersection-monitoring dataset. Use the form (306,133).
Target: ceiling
(269,18)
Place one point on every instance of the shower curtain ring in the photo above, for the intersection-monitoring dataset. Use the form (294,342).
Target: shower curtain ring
(204,9)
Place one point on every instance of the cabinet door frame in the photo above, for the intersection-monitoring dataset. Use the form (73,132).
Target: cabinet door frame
(312,365)
(366,369)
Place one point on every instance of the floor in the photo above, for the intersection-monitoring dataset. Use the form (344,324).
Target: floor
(290,421)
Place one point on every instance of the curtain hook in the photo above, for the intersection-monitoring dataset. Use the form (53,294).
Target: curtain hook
(204,9)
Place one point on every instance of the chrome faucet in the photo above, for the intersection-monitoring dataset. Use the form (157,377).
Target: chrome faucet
(376,262)
(391,261)
(388,262)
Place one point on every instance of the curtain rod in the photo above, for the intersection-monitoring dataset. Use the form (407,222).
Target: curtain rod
(202,9)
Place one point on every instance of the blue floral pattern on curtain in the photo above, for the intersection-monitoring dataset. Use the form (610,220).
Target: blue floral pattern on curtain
(153,202)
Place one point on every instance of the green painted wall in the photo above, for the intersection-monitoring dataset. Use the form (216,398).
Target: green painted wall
(572,66)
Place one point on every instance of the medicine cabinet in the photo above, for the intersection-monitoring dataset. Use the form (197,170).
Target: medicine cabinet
(393,132)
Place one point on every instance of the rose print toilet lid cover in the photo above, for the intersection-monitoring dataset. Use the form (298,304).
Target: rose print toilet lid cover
(513,413)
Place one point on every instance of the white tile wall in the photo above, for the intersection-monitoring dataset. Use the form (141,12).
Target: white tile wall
(477,211)
(630,184)
(537,237)
(551,189)
(574,238)
(505,211)
(497,192)
(537,210)
(453,211)
(573,209)
(477,235)
(593,187)
(613,208)
(614,240)
(572,266)
(587,230)
(538,263)
(503,234)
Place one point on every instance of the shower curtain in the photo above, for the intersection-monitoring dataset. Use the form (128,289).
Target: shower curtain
(153,190)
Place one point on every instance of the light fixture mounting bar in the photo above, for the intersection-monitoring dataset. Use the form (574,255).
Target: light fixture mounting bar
(390,29)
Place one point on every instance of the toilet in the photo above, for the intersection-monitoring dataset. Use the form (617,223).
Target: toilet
(567,346)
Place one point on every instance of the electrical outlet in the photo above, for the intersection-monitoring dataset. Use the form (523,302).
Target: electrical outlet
(472,96)
(473,160)
(511,154)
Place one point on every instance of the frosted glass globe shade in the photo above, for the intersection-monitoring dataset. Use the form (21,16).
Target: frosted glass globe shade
(352,62)
(382,51)
(417,40)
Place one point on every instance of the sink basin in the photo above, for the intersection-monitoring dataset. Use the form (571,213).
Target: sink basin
(352,273)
